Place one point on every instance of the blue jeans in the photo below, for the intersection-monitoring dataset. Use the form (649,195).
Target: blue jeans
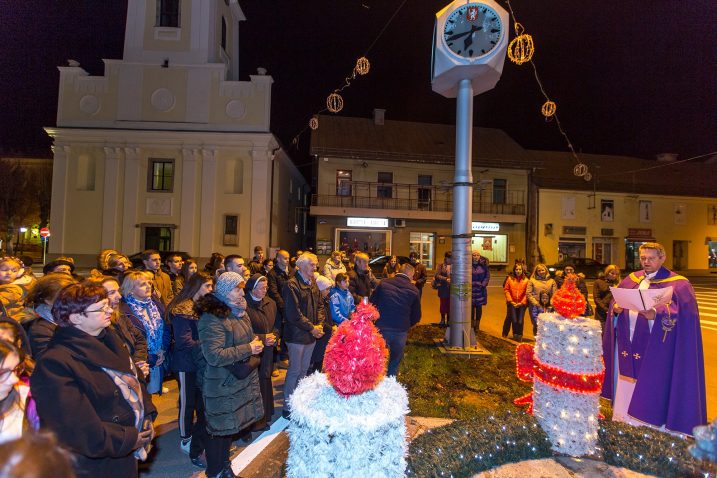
(396,342)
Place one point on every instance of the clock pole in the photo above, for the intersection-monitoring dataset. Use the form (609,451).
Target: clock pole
(461,273)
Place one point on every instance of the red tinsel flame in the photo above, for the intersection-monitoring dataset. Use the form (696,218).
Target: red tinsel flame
(568,301)
(356,356)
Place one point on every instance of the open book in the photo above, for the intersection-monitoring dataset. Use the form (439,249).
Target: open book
(641,299)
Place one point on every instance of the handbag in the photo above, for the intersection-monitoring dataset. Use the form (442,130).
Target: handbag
(435,284)
(244,368)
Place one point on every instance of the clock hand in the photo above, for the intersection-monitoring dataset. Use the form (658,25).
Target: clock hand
(458,35)
(469,39)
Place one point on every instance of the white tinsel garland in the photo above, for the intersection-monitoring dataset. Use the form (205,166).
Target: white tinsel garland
(333,436)
(569,418)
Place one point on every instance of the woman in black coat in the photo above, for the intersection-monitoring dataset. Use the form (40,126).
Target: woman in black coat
(262,312)
(87,391)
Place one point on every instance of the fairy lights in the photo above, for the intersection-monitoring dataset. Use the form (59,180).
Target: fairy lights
(334,102)
(362,66)
(548,109)
(521,48)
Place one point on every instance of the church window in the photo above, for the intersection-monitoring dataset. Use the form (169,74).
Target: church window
(168,13)
(161,175)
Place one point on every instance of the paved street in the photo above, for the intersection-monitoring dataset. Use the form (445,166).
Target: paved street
(169,461)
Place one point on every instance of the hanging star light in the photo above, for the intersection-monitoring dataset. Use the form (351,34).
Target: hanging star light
(362,66)
(334,102)
(580,170)
(314,123)
(521,48)
(548,109)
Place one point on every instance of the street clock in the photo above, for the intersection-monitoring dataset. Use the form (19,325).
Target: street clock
(470,40)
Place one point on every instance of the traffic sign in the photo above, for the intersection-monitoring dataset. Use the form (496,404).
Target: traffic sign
(45,232)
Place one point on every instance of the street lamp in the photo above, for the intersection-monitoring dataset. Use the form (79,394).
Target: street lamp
(23,230)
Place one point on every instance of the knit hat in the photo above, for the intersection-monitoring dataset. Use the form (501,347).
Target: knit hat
(323,282)
(226,283)
(59,262)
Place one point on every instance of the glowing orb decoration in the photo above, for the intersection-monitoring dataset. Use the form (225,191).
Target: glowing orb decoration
(548,109)
(521,48)
(334,103)
(314,123)
(362,66)
(580,170)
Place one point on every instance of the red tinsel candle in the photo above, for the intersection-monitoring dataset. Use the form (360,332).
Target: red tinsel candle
(356,355)
(568,301)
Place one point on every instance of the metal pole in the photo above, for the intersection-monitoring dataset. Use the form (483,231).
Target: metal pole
(460,318)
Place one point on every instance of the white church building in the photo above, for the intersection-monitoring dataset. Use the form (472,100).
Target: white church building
(168,149)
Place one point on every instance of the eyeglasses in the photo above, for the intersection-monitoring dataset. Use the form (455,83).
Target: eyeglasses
(18,370)
(105,308)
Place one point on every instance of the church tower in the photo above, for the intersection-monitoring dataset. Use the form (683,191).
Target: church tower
(168,149)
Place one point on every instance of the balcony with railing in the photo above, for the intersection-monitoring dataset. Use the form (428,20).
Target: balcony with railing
(414,200)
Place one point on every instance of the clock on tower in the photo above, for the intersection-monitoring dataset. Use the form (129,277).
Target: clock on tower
(469,42)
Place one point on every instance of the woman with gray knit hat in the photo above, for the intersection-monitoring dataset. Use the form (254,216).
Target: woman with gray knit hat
(232,404)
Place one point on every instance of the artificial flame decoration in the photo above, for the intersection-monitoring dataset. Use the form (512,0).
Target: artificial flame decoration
(334,102)
(568,301)
(548,109)
(314,123)
(356,355)
(362,66)
(521,48)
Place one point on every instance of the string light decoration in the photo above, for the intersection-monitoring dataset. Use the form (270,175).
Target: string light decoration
(521,48)
(362,66)
(334,102)
(580,170)
(587,176)
(548,109)
(314,123)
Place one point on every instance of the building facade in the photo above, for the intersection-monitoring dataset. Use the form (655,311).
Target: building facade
(168,149)
(385,187)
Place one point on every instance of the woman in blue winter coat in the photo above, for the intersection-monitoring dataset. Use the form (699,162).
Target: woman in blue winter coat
(340,300)
(480,276)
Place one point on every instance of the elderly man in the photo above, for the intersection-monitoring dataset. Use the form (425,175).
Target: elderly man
(305,316)
(399,304)
(654,365)
(361,280)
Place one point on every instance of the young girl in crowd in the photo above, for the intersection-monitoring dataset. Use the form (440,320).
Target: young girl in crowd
(15,286)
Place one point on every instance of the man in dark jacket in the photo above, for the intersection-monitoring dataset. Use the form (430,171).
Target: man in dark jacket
(399,303)
(305,315)
(361,280)
(420,275)
(277,279)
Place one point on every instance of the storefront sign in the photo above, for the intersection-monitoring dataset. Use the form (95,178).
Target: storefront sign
(366,222)
(577,230)
(485,226)
(639,233)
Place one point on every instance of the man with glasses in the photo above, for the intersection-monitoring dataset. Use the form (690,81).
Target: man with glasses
(654,364)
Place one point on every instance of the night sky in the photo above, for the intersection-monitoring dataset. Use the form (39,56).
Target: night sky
(629,78)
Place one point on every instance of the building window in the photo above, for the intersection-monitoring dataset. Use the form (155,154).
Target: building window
(422,244)
(224,34)
(343,182)
(231,230)
(500,191)
(161,175)
(168,13)
(424,194)
(385,191)
(158,237)
(85,173)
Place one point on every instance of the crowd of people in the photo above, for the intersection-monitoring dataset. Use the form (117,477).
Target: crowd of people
(81,357)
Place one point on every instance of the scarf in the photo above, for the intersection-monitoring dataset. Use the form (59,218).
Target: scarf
(154,327)
(131,391)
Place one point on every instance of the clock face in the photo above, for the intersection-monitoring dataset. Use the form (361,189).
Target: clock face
(472,31)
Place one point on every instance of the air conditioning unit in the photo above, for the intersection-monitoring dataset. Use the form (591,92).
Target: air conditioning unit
(399,223)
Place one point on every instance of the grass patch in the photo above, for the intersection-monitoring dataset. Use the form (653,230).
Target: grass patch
(447,386)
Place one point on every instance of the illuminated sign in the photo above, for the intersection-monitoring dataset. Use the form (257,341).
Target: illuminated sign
(366,222)
(485,226)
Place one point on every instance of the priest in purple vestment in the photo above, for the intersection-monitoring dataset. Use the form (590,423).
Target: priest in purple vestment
(654,364)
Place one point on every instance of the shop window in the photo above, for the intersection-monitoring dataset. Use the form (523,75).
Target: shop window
(371,241)
(493,247)
(385,192)
(422,244)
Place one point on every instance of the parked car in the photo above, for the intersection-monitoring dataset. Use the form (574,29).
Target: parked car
(378,263)
(590,267)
